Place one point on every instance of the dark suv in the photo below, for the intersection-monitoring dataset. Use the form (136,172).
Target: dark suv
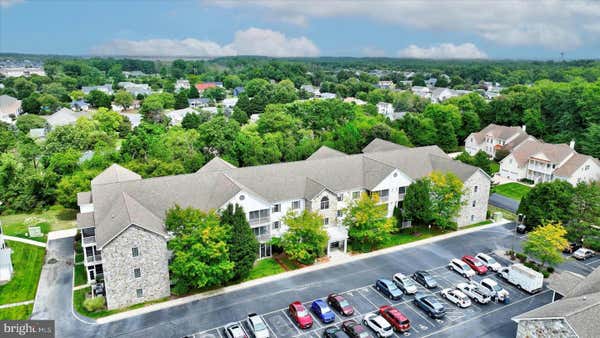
(389,289)
(430,305)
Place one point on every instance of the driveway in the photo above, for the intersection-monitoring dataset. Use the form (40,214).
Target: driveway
(504,202)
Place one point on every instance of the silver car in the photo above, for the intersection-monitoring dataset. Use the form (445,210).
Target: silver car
(405,283)
(583,254)
(257,326)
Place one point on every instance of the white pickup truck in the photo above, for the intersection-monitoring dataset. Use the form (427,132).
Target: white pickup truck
(475,292)
(523,277)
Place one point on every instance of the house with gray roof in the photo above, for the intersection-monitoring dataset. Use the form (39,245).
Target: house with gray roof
(106,89)
(63,117)
(574,315)
(494,137)
(136,89)
(122,217)
(10,108)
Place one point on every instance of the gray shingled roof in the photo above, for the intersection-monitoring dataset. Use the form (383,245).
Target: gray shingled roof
(218,181)
(85,220)
(6,100)
(497,131)
(381,145)
(325,152)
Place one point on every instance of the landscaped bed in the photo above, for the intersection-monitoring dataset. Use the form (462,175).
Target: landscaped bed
(27,261)
(512,190)
(20,312)
(79,298)
(80,276)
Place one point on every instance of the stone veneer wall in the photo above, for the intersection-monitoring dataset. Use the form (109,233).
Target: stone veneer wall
(119,263)
(558,328)
(481,197)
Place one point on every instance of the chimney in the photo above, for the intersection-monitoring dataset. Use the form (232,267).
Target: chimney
(572,144)
(524,127)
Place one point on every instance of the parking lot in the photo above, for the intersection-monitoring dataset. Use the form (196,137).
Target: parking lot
(367,300)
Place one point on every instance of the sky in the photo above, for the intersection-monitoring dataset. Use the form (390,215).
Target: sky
(465,29)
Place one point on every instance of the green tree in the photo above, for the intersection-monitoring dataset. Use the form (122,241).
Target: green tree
(68,187)
(64,163)
(215,93)
(445,194)
(200,251)
(243,246)
(239,115)
(181,100)
(417,202)
(109,121)
(305,240)
(549,201)
(123,98)
(589,143)
(77,95)
(27,122)
(191,121)
(367,222)
(48,103)
(193,92)
(546,242)
(98,99)
(232,81)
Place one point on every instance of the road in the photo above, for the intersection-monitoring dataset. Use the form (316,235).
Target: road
(269,297)
(504,202)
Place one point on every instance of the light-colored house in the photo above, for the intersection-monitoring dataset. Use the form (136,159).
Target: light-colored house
(230,102)
(136,89)
(133,73)
(386,84)
(134,118)
(238,90)
(314,91)
(10,108)
(177,116)
(182,84)
(494,137)
(431,82)
(574,315)
(198,102)
(420,91)
(22,71)
(80,105)
(6,268)
(328,96)
(386,109)
(354,100)
(106,89)
(441,94)
(122,217)
(544,162)
(63,117)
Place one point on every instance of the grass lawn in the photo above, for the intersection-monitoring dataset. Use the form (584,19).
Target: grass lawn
(27,261)
(477,224)
(495,167)
(21,230)
(79,297)
(80,277)
(512,190)
(20,312)
(55,218)
(265,267)
(410,235)
(506,214)
(289,264)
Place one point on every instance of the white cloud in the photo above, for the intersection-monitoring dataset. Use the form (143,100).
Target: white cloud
(372,51)
(253,41)
(8,3)
(443,51)
(553,24)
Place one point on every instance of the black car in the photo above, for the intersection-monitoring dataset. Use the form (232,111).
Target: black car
(574,246)
(521,229)
(389,289)
(430,305)
(334,332)
(355,330)
(425,279)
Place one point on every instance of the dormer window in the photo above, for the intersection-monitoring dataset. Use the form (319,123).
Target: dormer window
(324,203)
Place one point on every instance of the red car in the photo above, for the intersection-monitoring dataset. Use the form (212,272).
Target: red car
(475,264)
(395,317)
(300,315)
(340,304)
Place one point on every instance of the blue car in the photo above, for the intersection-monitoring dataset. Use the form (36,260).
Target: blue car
(389,289)
(322,311)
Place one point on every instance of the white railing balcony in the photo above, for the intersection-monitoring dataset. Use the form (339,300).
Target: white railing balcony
(89,240)
(260,220)
(401,197)
(93,259)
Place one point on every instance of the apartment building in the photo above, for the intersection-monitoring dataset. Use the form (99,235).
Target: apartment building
(122,217)
(494,137)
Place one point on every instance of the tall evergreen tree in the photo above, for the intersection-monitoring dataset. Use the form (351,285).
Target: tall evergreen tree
(243,246)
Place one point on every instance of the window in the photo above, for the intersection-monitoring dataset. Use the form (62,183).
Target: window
(135,252)
(325,221)
(355,195)
(340,197)
(383,194)
(242,197)
(277,208)
(402,190)
(259,216)
(474,203)
(296,205)
(139,293)
(472,218)
(340,213)
(259,231)
(137,273)
(587,167)
(475,188)
(324,203)
(276,225)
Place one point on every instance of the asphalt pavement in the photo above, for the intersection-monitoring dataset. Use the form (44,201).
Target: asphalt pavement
(207,313)
(504,202)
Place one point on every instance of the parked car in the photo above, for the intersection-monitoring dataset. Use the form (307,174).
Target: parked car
(461,268)
(583,254)
(396,318)
(340,304)
(573,246)
(378,324)
(430,305)
(300,315)
(489,261)
(521,229)
(456,297)
(497,291)
(334,332)
(257,326)
(425,279)
(405,284)
(322,311)
(523,277)
(389,289)
(355,330)
(475,264)
(234,330)
(475,292)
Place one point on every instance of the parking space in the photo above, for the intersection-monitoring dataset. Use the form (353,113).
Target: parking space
(368,300)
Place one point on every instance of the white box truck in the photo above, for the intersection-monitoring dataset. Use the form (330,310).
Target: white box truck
(523,277)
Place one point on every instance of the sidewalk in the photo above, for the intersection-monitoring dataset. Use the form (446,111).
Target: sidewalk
(283,275)
(24,240)
(4,306)
(62,234)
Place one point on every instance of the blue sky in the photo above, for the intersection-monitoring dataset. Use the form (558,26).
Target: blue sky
(434,29)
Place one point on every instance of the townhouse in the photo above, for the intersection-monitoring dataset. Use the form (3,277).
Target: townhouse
(494,137)
(122,217)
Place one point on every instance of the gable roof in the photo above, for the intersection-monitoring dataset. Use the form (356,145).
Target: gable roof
(115,174)
(498,131)
(62,117)
(556,153)
(216,164)
(573,163)
(381,145)
(325,152)
(6,100)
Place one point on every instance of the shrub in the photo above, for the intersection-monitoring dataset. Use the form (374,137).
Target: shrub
(550,269)
(526,180)
(521,257)
(94,304)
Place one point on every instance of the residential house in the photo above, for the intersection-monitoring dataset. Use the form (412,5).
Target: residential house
(205,85)
(106,89)
(210,110)
(544,162)
(134,118)
(133,73)
(420,91)
(406,83)
(238,90)
(573,315)
(494,137)
(177,116)
(182,84)
(314,91)
(354,100)
(63,117)
(22,71)
(254,118)
(431,82)
(439,95)
(386,109)
(37,133)
(386,85)
(6,268)
(122,217)
(80,105)
(230,102)
(10,108)
(328,96)
(198,102)
(136,89)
